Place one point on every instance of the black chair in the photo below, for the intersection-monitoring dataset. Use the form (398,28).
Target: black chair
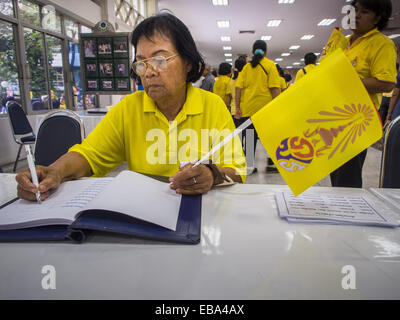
(390,164)
(22,130)
(58,131)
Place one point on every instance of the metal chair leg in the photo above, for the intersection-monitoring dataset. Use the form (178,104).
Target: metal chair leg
(16,160)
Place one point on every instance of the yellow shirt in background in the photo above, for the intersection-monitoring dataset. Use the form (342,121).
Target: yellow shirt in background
(137,132)
(374,56)
(232,85)
(221,87)
(283,84)
(300,74)
(256,85)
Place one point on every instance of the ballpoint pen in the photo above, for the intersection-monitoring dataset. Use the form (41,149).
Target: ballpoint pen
(33,171)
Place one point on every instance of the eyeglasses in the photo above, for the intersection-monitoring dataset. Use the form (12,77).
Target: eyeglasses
(157,64)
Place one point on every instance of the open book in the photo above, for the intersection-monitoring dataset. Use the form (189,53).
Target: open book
(130,203)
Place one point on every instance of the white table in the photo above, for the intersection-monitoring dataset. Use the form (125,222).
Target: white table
(246,252)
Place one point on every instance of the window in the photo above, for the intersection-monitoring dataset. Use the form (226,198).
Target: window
(85,29)
(51,20)
(71,29)
(37,79)
(54,54)
(9,83)
(6,7)
(29,12)
(75,67)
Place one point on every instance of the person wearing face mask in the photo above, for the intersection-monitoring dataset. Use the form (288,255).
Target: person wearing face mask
(156,130)
(373,56)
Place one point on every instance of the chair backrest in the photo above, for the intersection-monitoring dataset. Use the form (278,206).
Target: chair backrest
(19,123)
(18,119)
(57,132)
(390,164)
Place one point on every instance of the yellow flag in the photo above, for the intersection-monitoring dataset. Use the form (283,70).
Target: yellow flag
(319,123)
(336,41)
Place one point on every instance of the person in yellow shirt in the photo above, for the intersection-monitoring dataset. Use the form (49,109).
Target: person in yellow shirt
(373,55)
(239,64)
(283,86)
(310,60)
(256,86)
(221,85)
(156,130)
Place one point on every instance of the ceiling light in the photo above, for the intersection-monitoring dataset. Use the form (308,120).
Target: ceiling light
(317,53)
(278,59)
(228,54)
(228,60)
(393,36)
(286,1)
(289,67)
(220,2)
(285,54)
(227,48)
(223,24)
(225,38)
(274,23)
(296,63)
(307,37)
(326,22)
(266,38)
(294,47)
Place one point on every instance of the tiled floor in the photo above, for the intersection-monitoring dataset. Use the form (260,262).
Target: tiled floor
(370,171)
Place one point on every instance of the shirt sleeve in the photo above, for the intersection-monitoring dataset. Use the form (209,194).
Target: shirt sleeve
(383,65)
(104,146)
(398,81)
(299,75)
(274,80)
(242,77)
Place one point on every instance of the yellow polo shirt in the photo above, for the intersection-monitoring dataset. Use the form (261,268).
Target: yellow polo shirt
(300,74)
(232,85)
(256,85)
(283,84)
(221,87)
(374,56)
(137,132)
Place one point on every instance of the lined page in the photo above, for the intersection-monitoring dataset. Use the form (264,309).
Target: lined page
(60,208)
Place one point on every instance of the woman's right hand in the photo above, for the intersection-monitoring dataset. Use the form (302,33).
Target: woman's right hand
(49,179)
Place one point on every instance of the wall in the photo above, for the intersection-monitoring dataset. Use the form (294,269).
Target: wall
(8,147)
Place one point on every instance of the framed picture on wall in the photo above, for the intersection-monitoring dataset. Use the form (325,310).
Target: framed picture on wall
(122,84)
(92,85)
(89,47)
(121,68)
(104,47)
(91,69)
(107,84)
(120,47)
(106,69)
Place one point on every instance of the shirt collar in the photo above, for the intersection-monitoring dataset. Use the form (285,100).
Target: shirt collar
(368,34)
(193,104)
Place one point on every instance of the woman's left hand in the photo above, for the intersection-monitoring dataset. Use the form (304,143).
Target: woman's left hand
(192,180)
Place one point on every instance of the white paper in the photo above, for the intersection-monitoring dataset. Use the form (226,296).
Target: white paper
(60,208)
(390,196)
(330,208)
(141,197)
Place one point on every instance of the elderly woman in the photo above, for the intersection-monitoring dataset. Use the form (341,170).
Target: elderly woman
(156,130)
(373,56)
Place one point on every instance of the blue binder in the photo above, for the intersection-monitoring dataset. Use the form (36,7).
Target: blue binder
(187,231)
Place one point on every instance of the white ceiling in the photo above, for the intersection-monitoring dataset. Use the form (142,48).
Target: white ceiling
(299,19)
